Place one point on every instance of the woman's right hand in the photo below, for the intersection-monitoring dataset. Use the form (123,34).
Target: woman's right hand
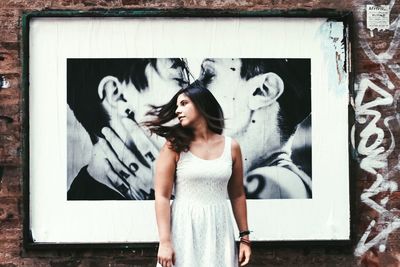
(166,254)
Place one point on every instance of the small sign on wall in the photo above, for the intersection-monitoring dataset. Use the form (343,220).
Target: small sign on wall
(378,17)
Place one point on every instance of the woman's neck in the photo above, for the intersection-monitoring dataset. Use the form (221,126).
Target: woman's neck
(203,133)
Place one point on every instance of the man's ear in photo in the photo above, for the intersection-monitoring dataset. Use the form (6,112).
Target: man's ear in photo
(110,92)
(265,89)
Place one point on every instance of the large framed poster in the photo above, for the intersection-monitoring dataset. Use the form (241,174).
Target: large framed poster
(282,82)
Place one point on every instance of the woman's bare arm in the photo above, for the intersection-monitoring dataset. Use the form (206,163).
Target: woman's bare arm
(238,201)
(236,189)
(163,184)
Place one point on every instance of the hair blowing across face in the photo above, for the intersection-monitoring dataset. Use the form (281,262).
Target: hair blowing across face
(181,137)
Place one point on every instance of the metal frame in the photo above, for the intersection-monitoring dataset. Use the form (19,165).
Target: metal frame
(345,16)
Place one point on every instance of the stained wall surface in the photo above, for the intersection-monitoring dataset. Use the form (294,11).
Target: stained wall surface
(374,144)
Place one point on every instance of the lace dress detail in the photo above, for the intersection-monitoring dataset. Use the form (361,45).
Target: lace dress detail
(201,224)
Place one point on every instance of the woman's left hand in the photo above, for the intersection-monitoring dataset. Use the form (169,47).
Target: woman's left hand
(244,253)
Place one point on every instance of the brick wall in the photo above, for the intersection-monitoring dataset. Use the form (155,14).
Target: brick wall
(376,198)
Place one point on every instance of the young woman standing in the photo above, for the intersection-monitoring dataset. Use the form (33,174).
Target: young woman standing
(203,168)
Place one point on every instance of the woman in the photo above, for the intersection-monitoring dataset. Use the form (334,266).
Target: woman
(205,167)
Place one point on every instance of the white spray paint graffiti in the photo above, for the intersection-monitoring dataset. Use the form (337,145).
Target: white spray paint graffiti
(374,154)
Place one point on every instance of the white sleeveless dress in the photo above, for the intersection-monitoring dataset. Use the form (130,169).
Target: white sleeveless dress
(201,222)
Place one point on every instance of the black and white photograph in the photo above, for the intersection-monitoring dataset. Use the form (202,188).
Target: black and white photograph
(266,103)
(95,83)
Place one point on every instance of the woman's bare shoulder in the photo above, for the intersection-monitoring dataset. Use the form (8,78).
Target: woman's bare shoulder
(167,152)
(235,145)
(235,149)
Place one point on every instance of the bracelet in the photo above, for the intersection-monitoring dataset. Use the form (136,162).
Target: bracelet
(244,233)
(245,241)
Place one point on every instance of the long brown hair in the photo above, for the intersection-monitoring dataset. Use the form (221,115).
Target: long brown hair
(181,137)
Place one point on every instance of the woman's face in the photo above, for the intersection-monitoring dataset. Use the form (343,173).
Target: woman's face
(186,111)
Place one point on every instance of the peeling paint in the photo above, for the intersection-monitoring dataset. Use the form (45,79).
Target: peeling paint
(333,31)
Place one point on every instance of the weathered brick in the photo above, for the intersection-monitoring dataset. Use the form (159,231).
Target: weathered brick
(9,59)
(9,212)
(9,151)
(19,4)
(9,25)
(65,263)
(10,182)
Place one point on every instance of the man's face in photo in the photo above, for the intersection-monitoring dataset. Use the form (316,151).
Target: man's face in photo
(222,78)
(164,80)
(249,104)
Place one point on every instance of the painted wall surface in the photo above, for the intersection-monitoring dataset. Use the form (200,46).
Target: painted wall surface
(375,132)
